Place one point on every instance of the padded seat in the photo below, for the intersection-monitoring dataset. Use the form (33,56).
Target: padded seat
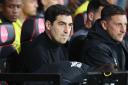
(31,28)
(7,36)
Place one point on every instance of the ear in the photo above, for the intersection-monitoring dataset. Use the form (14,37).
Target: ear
(104,24)
(72,32)
(91,16)
(48,25)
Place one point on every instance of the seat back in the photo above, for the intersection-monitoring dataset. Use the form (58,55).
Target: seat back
(7,36)
(39,26)
(31,28)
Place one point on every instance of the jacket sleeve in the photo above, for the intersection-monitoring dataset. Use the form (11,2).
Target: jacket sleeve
(99,57)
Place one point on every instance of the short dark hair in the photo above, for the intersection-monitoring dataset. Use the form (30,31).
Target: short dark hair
(111,10)
(94,5)
(53,11)
(2,1)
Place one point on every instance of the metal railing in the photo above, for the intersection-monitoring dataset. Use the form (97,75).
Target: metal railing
(55,78)
(107,78)
(91,78)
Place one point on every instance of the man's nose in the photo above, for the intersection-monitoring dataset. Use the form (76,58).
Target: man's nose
(66,29)
(16,10)
(123,28)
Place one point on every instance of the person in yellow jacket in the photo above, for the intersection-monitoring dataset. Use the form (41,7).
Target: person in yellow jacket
(9,14)
(17,26)
(82,8)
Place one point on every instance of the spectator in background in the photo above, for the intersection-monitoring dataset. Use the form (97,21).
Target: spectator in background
(106,48)
(74,4)
(44,4)
(77,40)
(80,15)
(82,8)
(10,11)
(79,18)
(48,3)
(29,8)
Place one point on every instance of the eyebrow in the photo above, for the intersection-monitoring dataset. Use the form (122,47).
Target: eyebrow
(65,22)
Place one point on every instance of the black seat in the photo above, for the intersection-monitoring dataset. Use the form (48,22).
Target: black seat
(7,36)
(31,28)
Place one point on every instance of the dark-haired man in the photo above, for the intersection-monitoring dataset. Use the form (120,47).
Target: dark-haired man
(77,40)
(105,48)
(48,50)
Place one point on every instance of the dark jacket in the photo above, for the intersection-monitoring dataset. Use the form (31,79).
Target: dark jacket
(42,51)
(102,52)
(76,43)
(43,55)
